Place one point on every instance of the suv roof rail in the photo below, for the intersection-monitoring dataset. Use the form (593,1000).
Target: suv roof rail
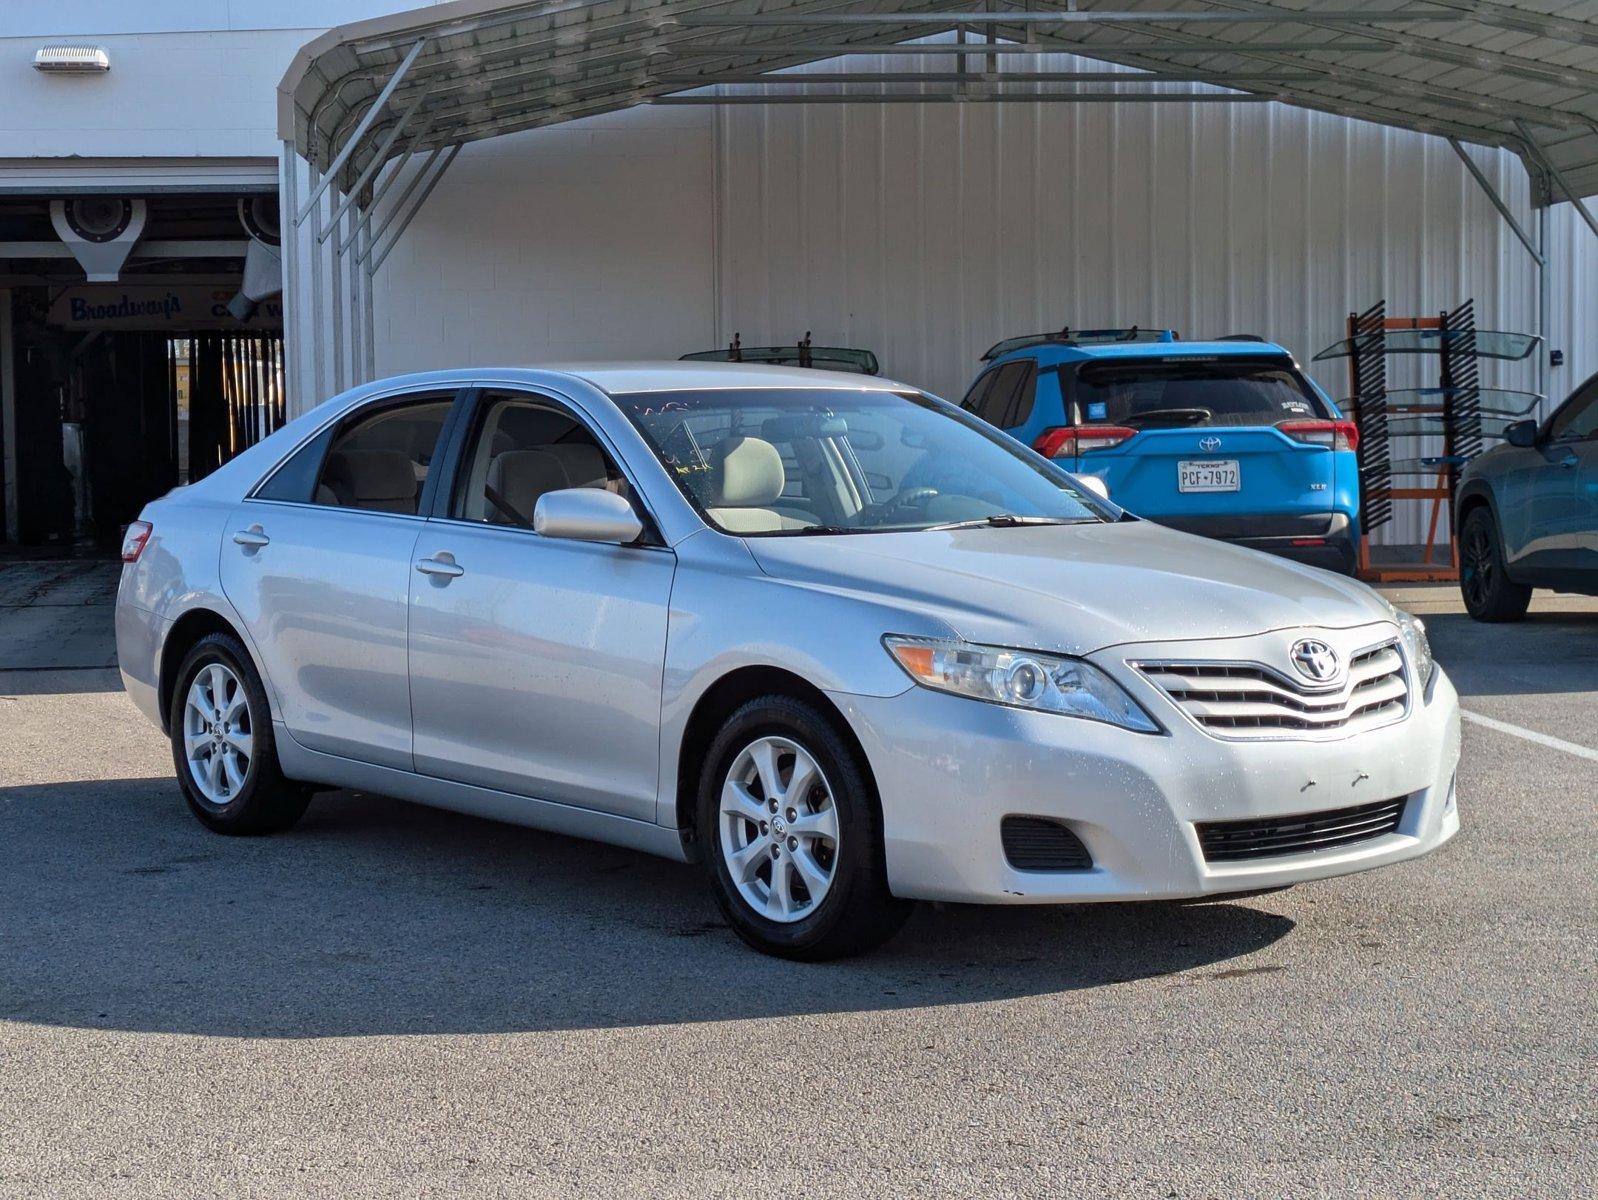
(1080,337)
(1241,337)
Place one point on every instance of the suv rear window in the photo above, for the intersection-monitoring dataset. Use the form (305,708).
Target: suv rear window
(1175,395)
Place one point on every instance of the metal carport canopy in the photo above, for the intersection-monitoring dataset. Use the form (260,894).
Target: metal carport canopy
(1517,75)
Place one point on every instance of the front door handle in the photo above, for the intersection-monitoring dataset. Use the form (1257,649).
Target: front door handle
(252,538)
(440,567)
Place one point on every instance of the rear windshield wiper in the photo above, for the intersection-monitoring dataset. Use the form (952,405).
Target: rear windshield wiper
(1172,416)
(1010,521)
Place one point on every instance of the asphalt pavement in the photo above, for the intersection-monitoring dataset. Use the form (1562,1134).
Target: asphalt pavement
(394,1001)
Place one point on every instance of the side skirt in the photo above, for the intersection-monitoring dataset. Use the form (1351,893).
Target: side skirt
(313,766)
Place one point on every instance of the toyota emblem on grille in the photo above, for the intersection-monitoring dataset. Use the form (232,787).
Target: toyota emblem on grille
(1208,444)
(1314,659)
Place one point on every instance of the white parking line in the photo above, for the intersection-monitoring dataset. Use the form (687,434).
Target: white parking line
(1530,735)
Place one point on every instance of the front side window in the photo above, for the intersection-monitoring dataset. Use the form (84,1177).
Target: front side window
(1578,420)
(1176,395)
(379,461)
(523,447)
(772,462)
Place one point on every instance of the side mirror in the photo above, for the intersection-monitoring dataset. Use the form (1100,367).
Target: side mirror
(586,515)
(1522,434)
(1095,485)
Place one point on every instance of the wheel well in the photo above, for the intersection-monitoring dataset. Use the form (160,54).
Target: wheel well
(186,630)
(719,702)
(1469,504)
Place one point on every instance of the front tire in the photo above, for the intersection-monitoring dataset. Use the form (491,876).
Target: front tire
(1489,593)
(222,746)
(792,835)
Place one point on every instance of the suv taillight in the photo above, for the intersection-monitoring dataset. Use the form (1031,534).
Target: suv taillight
(1065,442)
(134,539)
(1335,435)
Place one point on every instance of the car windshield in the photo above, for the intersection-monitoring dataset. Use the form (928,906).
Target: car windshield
(789,462)
(1175,395)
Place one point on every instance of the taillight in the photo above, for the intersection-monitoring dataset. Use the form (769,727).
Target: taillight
(134,539)
(1336,435)
(1064,442)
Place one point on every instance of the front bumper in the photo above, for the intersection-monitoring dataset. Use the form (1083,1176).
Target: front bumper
(949,770)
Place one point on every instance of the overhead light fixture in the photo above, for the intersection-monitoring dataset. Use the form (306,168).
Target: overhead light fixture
(81,59)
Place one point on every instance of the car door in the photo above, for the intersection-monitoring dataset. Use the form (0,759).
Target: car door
(1574,434)
(1545,509)
(317,562)
(536,663)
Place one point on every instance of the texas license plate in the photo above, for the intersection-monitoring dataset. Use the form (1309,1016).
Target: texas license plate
(1208,475)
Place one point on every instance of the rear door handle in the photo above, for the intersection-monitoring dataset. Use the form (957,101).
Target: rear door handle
(440,567)
(252,538)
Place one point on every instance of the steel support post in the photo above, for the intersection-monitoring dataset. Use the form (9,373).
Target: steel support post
(366,122)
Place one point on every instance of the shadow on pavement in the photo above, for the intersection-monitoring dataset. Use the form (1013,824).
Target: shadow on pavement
(55,681)
(57,613)
(379,917)
(1545,653)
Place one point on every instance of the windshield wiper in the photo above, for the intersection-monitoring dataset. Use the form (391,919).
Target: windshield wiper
(1010,521)
(819,530)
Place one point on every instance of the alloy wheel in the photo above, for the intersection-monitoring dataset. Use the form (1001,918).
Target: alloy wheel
(218,737)
(779,829)
(1477,572)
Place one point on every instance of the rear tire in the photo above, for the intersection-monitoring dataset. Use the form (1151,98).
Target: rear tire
(1489,593)
(785,800)
(222,745)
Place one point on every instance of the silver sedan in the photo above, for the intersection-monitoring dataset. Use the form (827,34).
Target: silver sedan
(834,639)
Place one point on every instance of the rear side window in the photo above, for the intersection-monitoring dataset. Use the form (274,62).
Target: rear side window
(1171,395)
(295,478)
(1004,396)
(979,391)
(380,460)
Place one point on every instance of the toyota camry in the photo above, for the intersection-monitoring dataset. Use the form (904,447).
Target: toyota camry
(842,644)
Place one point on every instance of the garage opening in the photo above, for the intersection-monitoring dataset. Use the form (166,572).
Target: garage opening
(119,389)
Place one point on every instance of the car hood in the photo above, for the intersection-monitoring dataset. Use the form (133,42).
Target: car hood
(1073,589)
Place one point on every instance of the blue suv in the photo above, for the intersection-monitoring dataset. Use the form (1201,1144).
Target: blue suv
(1225,438)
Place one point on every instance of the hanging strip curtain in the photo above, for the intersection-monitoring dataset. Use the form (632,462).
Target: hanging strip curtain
(236,394)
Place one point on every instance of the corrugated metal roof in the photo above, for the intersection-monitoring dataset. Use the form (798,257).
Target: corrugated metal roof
(1521,75)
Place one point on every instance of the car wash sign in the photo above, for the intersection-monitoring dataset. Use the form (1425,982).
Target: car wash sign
(180,309)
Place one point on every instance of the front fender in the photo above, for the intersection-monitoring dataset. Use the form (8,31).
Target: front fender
(726,614)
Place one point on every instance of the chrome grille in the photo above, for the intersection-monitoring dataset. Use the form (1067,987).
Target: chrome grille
(1251,700)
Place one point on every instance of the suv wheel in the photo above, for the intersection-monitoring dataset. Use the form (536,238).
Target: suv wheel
(222,747)
(1490,595)
(791,835)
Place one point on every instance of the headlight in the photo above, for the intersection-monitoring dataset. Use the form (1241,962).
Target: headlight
(1412,631)
(1020,679)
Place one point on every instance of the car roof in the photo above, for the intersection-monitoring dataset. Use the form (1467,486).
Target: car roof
(1048,352)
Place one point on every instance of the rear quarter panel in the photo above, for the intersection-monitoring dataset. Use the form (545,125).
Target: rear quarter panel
(176,574)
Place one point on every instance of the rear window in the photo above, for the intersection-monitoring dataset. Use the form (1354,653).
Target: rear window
(1175,395)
